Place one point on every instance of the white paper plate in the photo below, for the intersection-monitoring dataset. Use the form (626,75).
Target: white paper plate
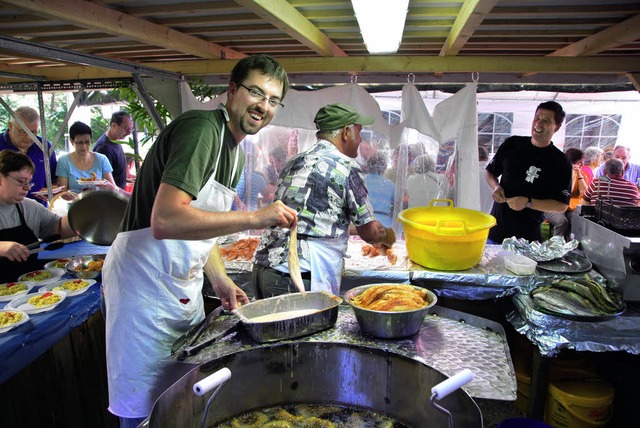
(56,274)
(91,183)
(58,263)
(8,297)
(52,287)
(22,304)
(24,319)
(46,192)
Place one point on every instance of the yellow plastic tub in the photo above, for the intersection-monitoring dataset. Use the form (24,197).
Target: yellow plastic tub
(579,404)
(443,237)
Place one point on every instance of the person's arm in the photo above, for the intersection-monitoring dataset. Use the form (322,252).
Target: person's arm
(64,182)
(14,251)
(498,192)
(173,217)
(229,293)
(518,203)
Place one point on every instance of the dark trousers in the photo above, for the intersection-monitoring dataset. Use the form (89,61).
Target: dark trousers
(269,282)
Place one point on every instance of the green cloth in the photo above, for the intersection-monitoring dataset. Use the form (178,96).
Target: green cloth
(183,156)
(336,116)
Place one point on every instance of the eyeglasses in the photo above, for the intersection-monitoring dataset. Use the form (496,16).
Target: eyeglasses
(25,184)
(258,95)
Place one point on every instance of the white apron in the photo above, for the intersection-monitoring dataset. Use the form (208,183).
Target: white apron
(153,295)
(326,257)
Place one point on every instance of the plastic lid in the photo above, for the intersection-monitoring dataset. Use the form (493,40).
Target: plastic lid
(583,393)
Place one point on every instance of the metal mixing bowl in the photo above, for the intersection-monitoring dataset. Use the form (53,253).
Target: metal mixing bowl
(389,325)
(96,216)
(81,262)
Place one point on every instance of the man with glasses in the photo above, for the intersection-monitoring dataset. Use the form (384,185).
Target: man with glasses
(22,220)
(121,125)
(16,138)
(153,274)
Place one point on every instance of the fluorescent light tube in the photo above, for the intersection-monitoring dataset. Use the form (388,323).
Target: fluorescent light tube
(381,23)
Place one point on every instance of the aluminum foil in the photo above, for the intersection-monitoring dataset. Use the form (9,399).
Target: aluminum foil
(552,249)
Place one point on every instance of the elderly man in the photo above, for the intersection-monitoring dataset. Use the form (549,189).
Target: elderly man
(327,188)
(15,138)
(631,171)
(612,188)
(535,177)
(121,125)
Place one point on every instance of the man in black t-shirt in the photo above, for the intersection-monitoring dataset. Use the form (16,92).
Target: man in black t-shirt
(535,177)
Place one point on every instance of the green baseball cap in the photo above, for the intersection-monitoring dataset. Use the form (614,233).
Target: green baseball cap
(336,116)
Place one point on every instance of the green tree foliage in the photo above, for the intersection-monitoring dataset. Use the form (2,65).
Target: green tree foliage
(99,124)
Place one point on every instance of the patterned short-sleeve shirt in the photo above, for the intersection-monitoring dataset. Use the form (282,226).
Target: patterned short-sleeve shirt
(328,191)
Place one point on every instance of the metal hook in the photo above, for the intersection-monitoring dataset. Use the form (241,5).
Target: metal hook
(475,76)
(411,78)
(354,78)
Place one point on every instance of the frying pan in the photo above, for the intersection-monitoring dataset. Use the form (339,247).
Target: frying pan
(96,215)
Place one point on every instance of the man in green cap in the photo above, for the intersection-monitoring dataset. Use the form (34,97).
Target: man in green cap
(327,188)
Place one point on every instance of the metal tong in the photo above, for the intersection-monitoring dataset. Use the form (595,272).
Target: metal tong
(189,341)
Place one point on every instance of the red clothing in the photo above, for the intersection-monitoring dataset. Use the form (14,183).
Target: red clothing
(587,173)
(618,190)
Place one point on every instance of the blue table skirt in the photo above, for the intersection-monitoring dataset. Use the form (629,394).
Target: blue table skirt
(24,344)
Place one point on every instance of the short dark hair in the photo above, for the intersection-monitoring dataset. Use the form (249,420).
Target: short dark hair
(79,128)
(118,116)
(613,166)
(575,155)
(558,113)
(11,161)
(483,154)
(265,64)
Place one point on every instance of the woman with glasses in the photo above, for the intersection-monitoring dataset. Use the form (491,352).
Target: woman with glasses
(83,164)
(22,220)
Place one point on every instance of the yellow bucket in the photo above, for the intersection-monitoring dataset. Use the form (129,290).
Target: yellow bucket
(579,404)
(523,382)
(444,237)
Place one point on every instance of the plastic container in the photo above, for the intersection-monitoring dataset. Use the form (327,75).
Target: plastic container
(523,382)
(579,404)
(444,237)
(519,264)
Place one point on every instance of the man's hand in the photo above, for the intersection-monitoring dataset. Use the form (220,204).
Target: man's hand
(277,214)
(498,195)
(14,251)
(390,238)
(229,293)
(517,203)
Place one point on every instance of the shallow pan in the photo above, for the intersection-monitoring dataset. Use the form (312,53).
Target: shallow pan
(96,216)
(289,316)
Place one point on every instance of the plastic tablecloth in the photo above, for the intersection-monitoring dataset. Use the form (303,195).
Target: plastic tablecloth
(24,344)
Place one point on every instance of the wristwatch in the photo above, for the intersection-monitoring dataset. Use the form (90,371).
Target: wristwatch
(528,204)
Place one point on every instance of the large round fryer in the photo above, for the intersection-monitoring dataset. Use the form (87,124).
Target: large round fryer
(96,216)
(316,373)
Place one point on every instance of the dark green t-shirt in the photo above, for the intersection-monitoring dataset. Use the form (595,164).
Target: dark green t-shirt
(183,156)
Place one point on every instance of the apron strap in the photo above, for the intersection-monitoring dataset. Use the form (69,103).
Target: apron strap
(235,163)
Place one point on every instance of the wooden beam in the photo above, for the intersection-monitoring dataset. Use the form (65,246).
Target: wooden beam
(471,15)
(86,14)
(634,78)
(287,18)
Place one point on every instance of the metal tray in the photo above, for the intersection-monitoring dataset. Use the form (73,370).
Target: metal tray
(569,263)
(573,317)
(325,316)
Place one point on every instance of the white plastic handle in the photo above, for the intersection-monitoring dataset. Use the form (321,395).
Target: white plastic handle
(211,381)
(456,381)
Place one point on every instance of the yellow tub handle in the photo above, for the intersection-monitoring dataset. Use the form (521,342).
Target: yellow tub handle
(451,228)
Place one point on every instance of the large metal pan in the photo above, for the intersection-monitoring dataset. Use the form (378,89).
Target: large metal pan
(303,314)
(96,216)
(316,373)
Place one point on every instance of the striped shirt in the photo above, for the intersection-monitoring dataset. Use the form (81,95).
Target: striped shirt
(618,190)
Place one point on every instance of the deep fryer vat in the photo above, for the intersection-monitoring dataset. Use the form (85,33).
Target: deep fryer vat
(623,218)
(316,373)
(325,317)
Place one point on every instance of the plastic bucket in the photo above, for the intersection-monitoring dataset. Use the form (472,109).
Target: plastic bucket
(523,381)
(444,237)
(522,423)
(579,404)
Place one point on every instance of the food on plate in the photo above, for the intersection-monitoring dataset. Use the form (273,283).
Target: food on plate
(44,299)
(93,177)
(582,297)
(12,288)
(60,263)
(72,285)
(38,275)
(8,318)
(92,266)
(243,249)
(391,298)
(380,250)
